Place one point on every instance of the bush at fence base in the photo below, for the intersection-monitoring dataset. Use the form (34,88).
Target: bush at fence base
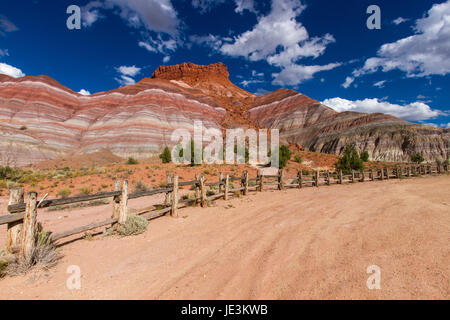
(133,226)
(44,256)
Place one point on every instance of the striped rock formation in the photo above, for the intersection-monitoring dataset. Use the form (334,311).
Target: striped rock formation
(40,119)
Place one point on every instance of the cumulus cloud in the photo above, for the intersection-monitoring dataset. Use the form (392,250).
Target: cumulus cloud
(399,20)
(166,59)
(295,74)
(11,71)
(154,15)
(126,74)
(84,92)
(348,82)
(426,52)
(282,41)
(210,40)
(416,111)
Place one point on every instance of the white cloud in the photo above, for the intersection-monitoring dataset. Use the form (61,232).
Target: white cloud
(399,20)
(154,15)
(282,41)
(426,52)
(246,83)
(380,84)
(158,45)
(295,74)
(6,25)
(166,59)
(210,40)
(416,111)
(208,5)
(84,92)
(348,82)
(128,71)
(125,80)
(126,75)
(4,53)
(11,71)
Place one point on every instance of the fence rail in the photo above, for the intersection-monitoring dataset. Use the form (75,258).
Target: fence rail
(21,218)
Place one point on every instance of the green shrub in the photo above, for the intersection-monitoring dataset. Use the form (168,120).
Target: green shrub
(417,158)
(298,159)
(23,128)
(165,156)
(365,156)
(133,226)
(64,193)
(85,191)
(132,161)
(350,160)
(140,186)
(285,156)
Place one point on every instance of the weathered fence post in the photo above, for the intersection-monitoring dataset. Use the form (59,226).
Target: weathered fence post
(221,182)
(16,196)
(316,178)
(340,177)
(300,179)
(382,174)
(429,169)
(29,228)
(371,175)
(203,191)
(280,179)
(387,173)
(116,202)
(168,200)
(227,187)
(123,206)
(174,197)
(245,182)
(363,176)
(353,176)
(197,190)
(261,181)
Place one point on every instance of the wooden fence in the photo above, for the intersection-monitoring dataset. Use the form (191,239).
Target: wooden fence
(21,219)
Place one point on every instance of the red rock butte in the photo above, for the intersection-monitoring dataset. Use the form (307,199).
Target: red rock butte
(40,119)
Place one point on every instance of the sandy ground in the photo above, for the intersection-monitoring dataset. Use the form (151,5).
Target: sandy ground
(295,244)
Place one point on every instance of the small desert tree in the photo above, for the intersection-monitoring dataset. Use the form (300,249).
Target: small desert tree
(165,156)
(417,158)
(350,160)
(365,156)
(285,156)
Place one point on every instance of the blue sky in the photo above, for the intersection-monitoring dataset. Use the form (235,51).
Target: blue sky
(321,48)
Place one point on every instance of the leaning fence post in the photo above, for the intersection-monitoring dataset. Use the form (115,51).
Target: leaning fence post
(261,181)
(168,200)
(227,187)
(280,180)
(316,178)
(16,196)
(221,182)
(123,206)
(245,182)
(197,190)
(116,202)
(174,197)
(300,179)
(340,177)
(29,228)
(202,191)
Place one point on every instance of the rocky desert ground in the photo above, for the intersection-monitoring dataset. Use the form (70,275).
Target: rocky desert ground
(314,243)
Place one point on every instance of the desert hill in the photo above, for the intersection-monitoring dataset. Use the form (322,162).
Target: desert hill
(40,119)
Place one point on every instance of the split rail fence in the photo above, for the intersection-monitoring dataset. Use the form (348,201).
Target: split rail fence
(21,219)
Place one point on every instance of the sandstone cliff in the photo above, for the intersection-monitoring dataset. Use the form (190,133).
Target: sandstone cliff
(40,119)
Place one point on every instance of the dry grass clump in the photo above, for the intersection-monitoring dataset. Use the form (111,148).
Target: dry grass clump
(133,226)
(44,256)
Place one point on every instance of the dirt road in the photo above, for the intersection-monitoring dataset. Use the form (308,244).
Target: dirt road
(295,244)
